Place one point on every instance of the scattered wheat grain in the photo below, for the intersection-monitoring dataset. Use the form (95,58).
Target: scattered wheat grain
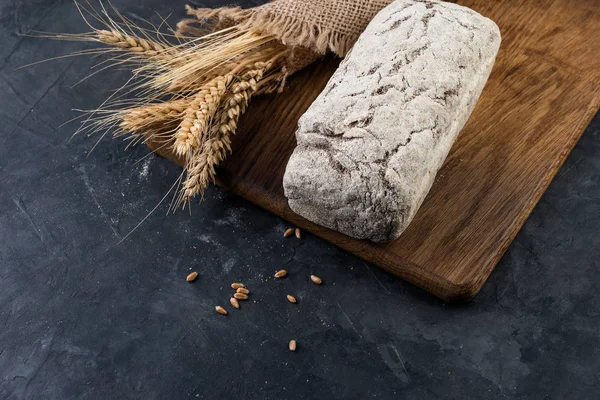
(192,277)
(280,274)
(289,232)
(240,296)
(234,302)
(221,310)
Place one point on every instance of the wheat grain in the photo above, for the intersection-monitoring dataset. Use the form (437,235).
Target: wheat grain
(221,310)
(234,302)
(280,274)
(192,277)
(292,345)
(240,296)
(289,232)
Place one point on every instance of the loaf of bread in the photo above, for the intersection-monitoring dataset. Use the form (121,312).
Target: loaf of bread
(369,147)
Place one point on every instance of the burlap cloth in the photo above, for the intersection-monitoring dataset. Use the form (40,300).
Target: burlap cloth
(311,27)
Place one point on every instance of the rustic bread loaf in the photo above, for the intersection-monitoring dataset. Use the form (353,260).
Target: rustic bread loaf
(369,147)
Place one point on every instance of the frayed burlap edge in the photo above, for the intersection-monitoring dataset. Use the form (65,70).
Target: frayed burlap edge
(290,31)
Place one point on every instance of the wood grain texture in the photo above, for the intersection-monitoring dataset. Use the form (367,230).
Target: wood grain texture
(542,93)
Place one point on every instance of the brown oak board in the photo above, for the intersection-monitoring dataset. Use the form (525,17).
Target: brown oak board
(542,93)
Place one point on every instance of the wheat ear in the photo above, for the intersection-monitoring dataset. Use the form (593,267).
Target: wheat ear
(131,43)
(139,118)
(199,114)
(201,169)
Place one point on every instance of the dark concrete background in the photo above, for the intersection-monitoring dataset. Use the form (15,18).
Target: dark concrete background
(82,316)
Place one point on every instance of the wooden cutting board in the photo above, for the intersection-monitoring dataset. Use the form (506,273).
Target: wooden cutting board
(542,93)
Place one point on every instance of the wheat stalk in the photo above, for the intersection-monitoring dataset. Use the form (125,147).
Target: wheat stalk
(204,57)
(194,81)
(201,168)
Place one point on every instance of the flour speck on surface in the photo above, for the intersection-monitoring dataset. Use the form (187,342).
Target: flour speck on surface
(145,168)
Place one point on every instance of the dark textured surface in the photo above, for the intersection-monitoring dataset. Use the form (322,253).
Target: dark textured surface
(82,316)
